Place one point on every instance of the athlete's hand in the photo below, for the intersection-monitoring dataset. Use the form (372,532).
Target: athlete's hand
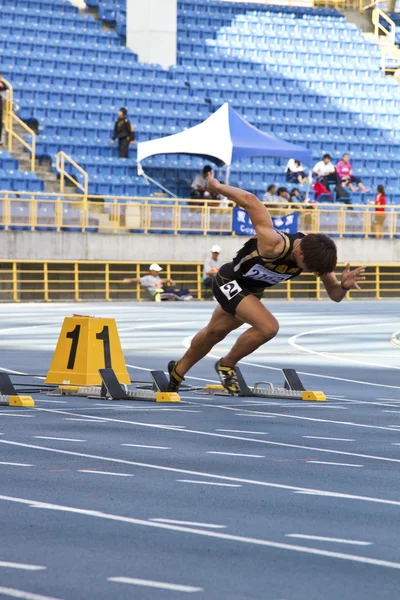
(350,278)
(212,183)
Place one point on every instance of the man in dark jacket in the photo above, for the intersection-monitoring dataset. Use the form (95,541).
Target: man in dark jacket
(123,132)
(3,88)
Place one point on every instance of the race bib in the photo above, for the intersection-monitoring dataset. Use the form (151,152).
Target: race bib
(231,289)
(261,273)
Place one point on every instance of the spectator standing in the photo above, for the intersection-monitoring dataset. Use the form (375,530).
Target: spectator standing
(3,88)
(295,171)
(345,171)
(212,265)
(380,214)
(270,194)
(124,132)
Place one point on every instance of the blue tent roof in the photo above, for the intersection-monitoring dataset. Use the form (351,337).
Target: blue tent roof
(250,141)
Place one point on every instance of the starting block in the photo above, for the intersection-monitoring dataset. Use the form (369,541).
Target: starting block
(292,389)
(9,396)
(112,389)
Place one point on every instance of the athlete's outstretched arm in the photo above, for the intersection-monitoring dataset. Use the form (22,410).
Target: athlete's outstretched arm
(269,241)
(338,290)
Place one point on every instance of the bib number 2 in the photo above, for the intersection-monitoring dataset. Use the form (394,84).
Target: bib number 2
(231,289)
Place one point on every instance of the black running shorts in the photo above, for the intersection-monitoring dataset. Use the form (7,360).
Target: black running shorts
(229,292)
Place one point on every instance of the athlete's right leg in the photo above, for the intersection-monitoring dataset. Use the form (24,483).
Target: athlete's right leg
(221,323)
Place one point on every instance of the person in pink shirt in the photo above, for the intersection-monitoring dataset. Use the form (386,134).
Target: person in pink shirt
(345,171)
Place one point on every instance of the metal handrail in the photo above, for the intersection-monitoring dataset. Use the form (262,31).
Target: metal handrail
(10,118)
(390,34)
(61,157)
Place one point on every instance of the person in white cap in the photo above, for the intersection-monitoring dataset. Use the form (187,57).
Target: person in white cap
(212,265)
(152,282)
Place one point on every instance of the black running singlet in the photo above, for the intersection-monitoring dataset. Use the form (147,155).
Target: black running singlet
(258,271)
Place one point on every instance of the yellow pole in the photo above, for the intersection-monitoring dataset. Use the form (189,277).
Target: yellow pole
(199,290)
(107,282)
(288,290)
(61,172)
(318,288)
(46,282)
(33,153)
(138,297)
(15,282)
(76,282)
(378,282)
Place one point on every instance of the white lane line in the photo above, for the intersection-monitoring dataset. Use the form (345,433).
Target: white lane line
(229,437)
(236,454)
(205,533)
(13,593)
(52,401)
(4,414)
(315,437)
(44,437)
(23,567)
(242,431)
(395,444)
(174,587)
(253,414)
(105,473)
(327,539)
(14,464)
(391,411)
(335,464)
(87,420)
(190,523)
(144,446)
(235,485)
(280,486)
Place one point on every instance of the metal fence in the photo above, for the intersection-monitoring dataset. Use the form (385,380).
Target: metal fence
(114,214)
(98,280)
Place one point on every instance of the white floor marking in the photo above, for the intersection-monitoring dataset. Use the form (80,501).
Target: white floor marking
(191,523)
(4,414)
(13,593)
(105,473)
(242,431)
(315,437)
(229,437)
(12,565)
(235,485)
(335,464)
(395,444)
(253,414)
(236,454)
(327,539)
(15,464)
(52,401)
(144,446)
(87,420)
(204,474)
(44,437)
(174,587)
(391,411)
(205,533)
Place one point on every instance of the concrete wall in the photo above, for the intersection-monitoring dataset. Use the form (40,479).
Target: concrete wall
(151,30)
(24,245)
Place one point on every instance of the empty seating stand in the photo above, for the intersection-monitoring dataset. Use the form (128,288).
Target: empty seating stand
(303,74)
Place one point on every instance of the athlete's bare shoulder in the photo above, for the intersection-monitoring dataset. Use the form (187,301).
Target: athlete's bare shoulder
(270,243)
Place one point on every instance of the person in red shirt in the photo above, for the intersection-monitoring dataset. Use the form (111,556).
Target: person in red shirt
(380,215)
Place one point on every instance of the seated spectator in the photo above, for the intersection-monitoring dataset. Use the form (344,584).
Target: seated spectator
(212,265)
(380,207)
(345,171)
(295,171)
(283,195)
(270,194)
(327,175)
(159,289)
(295,195)
(199,185)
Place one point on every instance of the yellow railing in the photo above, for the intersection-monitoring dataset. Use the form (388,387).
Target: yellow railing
(123,215)
(388,33)
(58,281)
(61,159)
(10,119)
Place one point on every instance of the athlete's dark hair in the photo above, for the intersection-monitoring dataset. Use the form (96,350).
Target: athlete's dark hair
(320,253)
